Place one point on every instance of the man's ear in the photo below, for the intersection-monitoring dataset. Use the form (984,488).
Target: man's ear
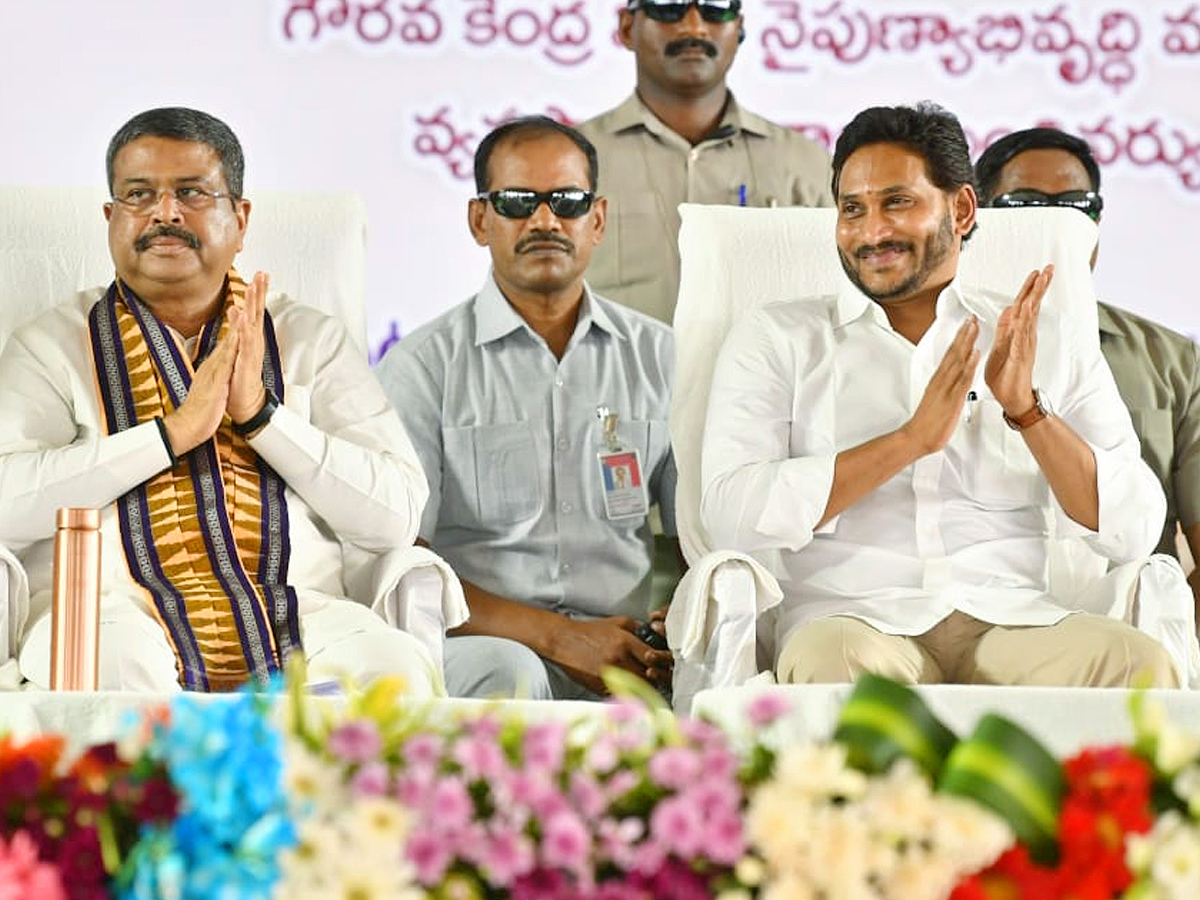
(476,209)
(965,204)
(599,214)
(241,207)
(625,28)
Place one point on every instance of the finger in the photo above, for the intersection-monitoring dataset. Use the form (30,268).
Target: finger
(968,373)
(262,281)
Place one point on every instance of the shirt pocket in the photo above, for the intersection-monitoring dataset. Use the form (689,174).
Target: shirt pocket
(1000,470)
(499,478)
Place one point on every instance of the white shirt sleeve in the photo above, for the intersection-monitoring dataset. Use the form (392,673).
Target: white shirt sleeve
(1132,504)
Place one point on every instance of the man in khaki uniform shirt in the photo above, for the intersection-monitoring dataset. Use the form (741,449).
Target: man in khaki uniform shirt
(1156,369)
(681,137)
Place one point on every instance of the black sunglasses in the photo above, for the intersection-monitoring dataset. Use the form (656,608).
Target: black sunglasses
(1087,202)
(715,11)
(518,203)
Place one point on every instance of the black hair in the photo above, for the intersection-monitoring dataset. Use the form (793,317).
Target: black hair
(182,124)
(927,129)
(531,127)
(993,160)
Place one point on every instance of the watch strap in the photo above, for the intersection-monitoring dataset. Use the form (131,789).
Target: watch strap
(1031,416)
(260,418)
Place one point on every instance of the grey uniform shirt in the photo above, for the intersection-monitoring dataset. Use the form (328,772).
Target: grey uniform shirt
(1157,372)
(647,170)
(509,438)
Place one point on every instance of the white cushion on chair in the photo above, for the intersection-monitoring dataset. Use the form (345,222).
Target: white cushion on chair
(53,242)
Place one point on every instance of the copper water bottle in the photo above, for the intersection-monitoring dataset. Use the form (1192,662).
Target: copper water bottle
(75,613)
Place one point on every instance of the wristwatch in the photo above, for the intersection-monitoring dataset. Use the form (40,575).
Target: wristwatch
(260,418)
(1033,415)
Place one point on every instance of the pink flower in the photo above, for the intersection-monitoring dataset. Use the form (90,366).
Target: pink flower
(544,746)
(675,767)
(766,708)
(480,757)
(620,784)
(566,843)
(23,876)
(423,750)
(724,840)
(356,742)
(451,805)
(429,852)
(618,840)
(414,787)
(506,855)
(371,780)
(588,796)
(542,884)
(678,825)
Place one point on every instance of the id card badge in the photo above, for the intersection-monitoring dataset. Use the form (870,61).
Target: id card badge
(621,482)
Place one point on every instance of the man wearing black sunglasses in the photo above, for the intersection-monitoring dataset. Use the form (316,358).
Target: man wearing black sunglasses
(1156,369)
(681,137)
(538,503)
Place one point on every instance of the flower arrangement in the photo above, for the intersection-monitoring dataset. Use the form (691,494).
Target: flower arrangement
(282,796)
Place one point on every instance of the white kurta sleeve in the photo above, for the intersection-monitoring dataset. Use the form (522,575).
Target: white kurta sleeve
(765,477)
(51,453)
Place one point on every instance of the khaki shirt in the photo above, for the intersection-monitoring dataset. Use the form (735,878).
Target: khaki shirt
(1158,376)
(647,170)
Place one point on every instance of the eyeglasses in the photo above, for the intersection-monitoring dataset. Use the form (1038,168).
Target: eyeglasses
(144,199)
(518,203)
(1087,202)
(715,11)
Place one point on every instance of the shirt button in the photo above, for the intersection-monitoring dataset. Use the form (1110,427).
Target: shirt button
(566,507)
(694,155)
(564,568)
(558,382)
(563,444)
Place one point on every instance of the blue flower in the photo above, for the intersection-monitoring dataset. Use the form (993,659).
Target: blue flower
(224,757)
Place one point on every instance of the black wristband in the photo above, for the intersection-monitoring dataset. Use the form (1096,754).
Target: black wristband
(166,439)
(259,419)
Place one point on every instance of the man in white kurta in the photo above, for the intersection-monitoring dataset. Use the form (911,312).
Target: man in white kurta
(348,479)
(914,493)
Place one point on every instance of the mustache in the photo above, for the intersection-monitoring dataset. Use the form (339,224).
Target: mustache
(164,230)
(544,237)
(867,249)
(674,48)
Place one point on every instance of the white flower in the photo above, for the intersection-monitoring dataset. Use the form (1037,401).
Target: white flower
(378,825)
(313,783)
(1176,748)
(1175,866)
(921,878)
(1187,788)
(819,772)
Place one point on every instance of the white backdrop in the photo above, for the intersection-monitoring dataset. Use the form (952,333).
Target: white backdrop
(388,97)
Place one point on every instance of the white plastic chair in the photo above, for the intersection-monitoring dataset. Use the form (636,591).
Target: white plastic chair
(737,259)
(53,244)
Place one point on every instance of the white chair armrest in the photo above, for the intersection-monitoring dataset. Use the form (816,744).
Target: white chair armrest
(712,624)
(14,606)
(415,590)
(1153,596)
